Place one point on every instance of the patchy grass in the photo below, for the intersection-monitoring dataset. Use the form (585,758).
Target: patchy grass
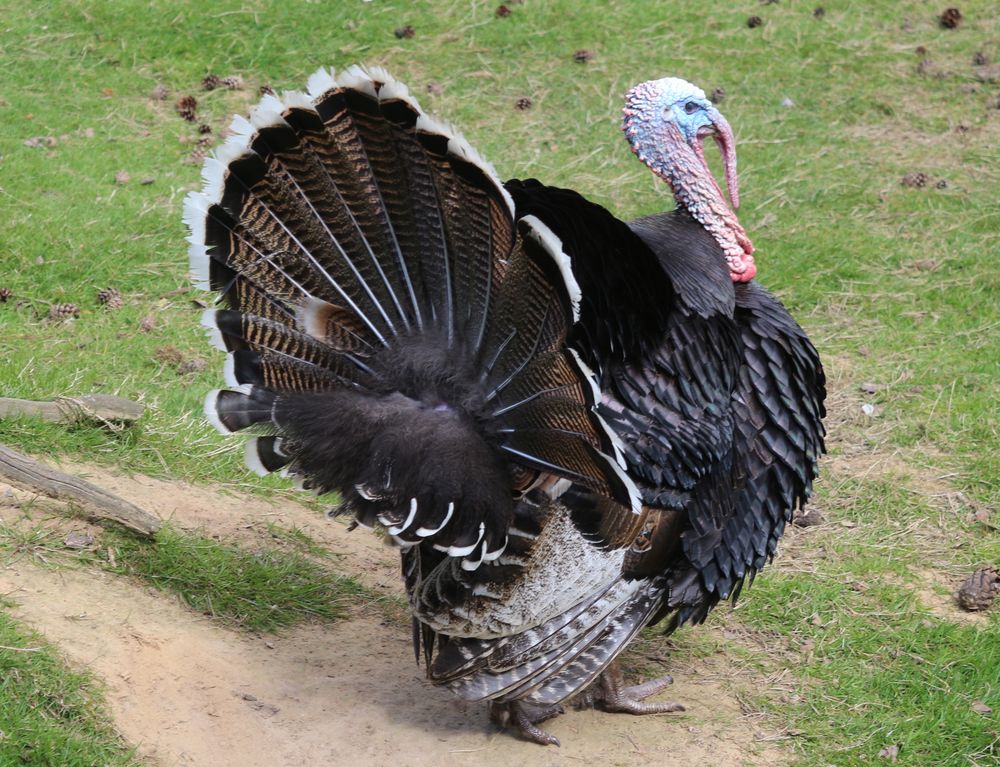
(261,591)
(877,670)
(298,539)
(897,285)
(50,715)
(264,589)
(882,659)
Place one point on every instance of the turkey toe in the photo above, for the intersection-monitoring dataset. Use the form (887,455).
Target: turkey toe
(616,698)
(524,718)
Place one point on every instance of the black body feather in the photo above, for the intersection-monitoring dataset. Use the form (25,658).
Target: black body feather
(715,390)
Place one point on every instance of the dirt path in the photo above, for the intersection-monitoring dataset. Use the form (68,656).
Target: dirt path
(188,691)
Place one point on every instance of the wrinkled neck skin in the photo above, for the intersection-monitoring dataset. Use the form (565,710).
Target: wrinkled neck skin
(696,191)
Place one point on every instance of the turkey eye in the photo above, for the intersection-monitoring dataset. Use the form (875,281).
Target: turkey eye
(690,107)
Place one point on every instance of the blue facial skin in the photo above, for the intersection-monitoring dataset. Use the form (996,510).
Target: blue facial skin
(693,114)
(651,104)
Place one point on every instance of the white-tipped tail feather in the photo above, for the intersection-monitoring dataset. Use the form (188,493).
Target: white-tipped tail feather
(553,246)
(252,458)
(212,412)
(208,321)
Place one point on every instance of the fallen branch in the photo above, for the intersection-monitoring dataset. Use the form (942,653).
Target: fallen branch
(27,474)
(105,408)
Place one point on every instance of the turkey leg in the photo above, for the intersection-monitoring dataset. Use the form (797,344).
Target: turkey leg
(612,694)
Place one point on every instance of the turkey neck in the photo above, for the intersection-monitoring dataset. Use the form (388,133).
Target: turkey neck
(696,191)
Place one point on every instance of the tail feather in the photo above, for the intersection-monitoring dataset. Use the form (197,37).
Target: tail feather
(532,307)
(261,349)
(265,455)
(393,156)
(343,150)
(333,325)
(397,335)
(279,221)
(256,301)
(234,410)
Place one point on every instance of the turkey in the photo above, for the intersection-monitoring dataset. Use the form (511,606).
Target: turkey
(571,427)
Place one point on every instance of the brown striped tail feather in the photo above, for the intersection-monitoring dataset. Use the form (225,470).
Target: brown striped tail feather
(393,334)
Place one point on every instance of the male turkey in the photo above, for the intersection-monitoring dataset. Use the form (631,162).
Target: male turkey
(572,427)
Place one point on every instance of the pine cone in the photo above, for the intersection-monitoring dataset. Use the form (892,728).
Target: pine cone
(808,518)
(5,295)
(197,156)
(210,82)
(915,180)
(754,21)
(193,365)
(233,82)
(60,312)
(186,107)
(110,299)
(503,11)
(979,589)
(523,103)
(951,18)
(582,56)
(168,355)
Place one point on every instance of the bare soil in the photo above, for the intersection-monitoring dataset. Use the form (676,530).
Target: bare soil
(186,690)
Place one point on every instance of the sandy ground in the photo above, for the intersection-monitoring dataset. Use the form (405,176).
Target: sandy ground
(188,691)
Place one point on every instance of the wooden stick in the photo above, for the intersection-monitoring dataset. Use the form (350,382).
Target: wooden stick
(105,408)
(27,474)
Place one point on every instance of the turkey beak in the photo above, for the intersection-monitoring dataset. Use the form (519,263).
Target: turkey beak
(723,134)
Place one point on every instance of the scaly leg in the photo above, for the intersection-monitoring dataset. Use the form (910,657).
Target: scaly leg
(524,718)
(614,696)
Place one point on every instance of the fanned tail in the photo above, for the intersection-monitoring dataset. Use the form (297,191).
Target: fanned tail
(393,333)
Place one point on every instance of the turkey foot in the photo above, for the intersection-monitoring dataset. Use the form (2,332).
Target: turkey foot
(614,696)
(524,718)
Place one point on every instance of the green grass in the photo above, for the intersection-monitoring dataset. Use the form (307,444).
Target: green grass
(50,716)
(898,286)
(880,671)
(261,591)
(264,589)
(861,609)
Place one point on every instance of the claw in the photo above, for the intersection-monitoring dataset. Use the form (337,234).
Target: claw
(518,714)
